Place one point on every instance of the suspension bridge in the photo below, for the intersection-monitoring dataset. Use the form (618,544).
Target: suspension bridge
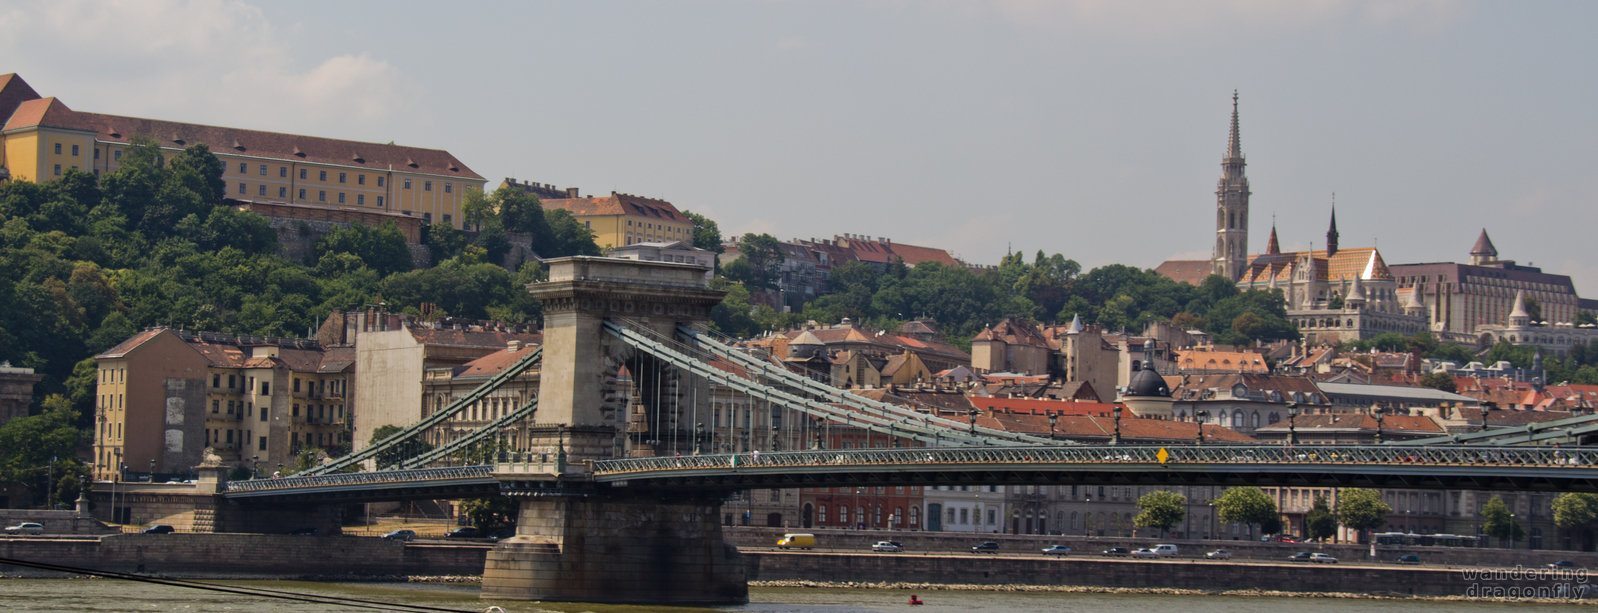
(643,423)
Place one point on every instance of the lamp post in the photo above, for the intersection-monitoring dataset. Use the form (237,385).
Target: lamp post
(1213,525)
(1201,417)
(774,432)
(1292,423)
(973,415)
(699,436)
(255,467)
(1380,414)
(1115,439)
(1054,418)
(1512,531)
(1485,408)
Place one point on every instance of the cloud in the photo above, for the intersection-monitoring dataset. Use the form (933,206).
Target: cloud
(189,60)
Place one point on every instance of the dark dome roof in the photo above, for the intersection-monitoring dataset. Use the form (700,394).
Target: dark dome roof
(1146,382)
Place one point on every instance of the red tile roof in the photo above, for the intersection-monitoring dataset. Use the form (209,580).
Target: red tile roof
(1191,272)
(13,92)
(493,363)
(618,204)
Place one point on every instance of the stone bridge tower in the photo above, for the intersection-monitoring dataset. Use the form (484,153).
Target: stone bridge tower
(578,541)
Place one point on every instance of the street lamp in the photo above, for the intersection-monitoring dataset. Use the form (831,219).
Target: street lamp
(1292,425)
(815,428)
(1485,407)
(152,470)
(699,435)
(973,415)
(1054,418)
(774,432)
(1512,530)
(1201,417)
(1380,415)
(1115,439)
(1213,525)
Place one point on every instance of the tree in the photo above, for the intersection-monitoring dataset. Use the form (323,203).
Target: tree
(382,248)
(707,235)
(1439,381)
(567,236)
(1160,509)
(413,447)
(1246,505)
(1499,523)
(490,513)
(444,241)
(1578,513)
(1362,510)
(1319,524)
(762,254)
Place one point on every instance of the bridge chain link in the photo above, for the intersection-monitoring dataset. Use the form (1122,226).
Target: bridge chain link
(366,478)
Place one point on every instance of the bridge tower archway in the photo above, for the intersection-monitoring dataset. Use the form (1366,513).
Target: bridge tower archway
(567,534)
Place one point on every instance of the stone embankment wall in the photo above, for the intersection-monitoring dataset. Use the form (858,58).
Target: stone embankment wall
(748,538)
(247,555)
(969,569)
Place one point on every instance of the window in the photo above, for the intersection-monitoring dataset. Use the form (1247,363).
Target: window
(407,184)
(282,192)
(341,177)
(58,168)
(427,217)
(262,446)
(302,193)
(446,218)
(116,155)
(341,197)
(321,175)
(283,171)
(263,170)
(263,413)
(58,148)
(360,179)
(448,187)
(243,168)
(96,153)
(215,405)
(302,174)
(231,382)
(360,198)
(380,181)
(262,190)
(379,201)
(216,380)
(296,410)
(266,388)
(427,186)
(74,151)
(321,195)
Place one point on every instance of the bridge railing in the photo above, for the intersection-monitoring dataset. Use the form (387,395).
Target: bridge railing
(365,478)
(1576,458)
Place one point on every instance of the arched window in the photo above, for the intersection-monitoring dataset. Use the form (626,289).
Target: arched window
(843,514)
(1256,419)
(1237,418)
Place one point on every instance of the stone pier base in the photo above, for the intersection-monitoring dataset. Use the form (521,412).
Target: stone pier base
(617,549)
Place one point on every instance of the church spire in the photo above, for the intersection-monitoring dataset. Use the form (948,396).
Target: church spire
(1331,232)
(1272,247)
(1230,256)
(1234,145)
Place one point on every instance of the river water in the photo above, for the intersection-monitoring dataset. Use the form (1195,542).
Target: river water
(76,595)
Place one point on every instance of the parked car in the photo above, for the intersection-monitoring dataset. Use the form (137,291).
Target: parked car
(401,535)
(1560,565)
(501,534)
(158,529)
(1219,554)
(1302,556)
(1164,550)
(1145,553)
(987,547)
(1116,551)
(1321,558)
(1057,550)
(1408,559)
(467,532)
(27,527)
(887,546)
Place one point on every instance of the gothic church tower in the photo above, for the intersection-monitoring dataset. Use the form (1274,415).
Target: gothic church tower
(1231,199)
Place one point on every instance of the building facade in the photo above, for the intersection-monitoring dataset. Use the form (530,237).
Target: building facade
(1460,298)
(621,219)
(43,138)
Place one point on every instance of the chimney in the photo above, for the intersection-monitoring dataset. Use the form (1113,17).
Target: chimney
(571,192)
(513,346)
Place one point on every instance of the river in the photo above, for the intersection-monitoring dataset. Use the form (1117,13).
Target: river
(77,595)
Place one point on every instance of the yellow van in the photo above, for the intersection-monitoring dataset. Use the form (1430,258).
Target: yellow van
(797,541)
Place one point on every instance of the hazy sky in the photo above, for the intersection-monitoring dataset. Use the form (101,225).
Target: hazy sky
(1094,129)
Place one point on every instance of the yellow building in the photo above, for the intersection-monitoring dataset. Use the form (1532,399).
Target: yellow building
(42,138)
(625,219)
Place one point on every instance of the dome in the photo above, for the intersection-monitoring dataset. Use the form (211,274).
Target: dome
(1146,382)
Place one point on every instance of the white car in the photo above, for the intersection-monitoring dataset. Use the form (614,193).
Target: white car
(1145,553)
(1219,554)
(888,546)
(1321,558)
(27,527)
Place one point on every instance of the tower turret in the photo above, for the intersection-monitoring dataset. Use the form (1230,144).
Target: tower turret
(1230,256)
(1331,232)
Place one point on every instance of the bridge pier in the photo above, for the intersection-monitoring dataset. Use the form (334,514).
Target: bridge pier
(617,549)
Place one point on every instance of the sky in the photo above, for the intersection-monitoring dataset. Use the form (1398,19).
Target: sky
(1093,129)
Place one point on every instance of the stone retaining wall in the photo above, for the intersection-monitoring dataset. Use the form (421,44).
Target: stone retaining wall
(251,555)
